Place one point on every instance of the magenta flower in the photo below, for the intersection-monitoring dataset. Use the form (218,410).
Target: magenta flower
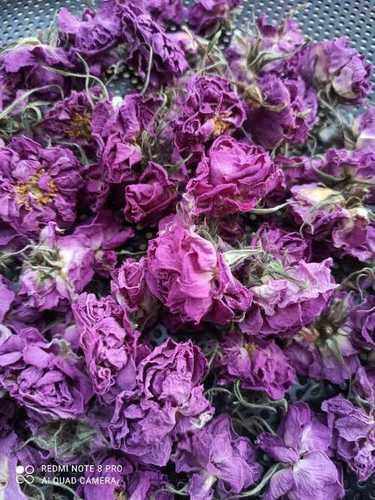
(92,36)
(188,276)
(146,39)
(151,196)
(234,178)
(317,208)
(355,235)
(351,167)
(129,287)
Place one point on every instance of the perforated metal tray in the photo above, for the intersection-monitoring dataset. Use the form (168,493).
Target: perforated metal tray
(320,19)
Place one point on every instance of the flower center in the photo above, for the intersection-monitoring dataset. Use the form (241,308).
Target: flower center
(250,348)
(310,335)
(220,126)
(80,126)
(33,188)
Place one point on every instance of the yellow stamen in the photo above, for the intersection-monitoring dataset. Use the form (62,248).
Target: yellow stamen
(80,126)
(31,188)
(250,348)
(220,126)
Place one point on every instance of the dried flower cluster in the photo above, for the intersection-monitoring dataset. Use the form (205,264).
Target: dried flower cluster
(179,264)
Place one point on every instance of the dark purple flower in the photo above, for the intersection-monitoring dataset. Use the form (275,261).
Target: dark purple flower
(234,178)
(362,322)
(166,11)
(8,414)
(169,399)
(117,129)
(302,446)
(187,274)
(335,64)
(151,196)
(284,306)
(217,459)
(115,476)
(42,377)
(96,188)
(210,108)
(281,110)
(287,247)
(70,119)
(95,34)
(38,185)
(147,41)
(26,68)
(206,16)
(353,435)
(259,365)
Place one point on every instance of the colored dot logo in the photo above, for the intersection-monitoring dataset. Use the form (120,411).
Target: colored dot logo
(24,474)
